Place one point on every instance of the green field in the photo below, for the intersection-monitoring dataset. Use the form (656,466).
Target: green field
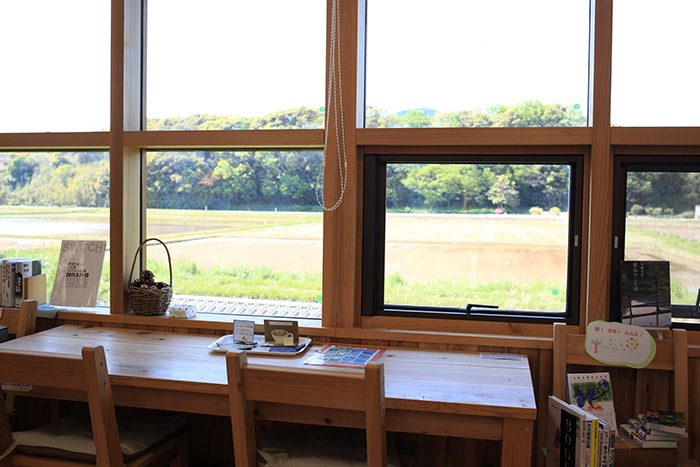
(516,262)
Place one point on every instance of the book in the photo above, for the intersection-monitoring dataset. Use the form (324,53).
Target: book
(34,288)
(4,282)
(78,273)
(604,446)
(563,434)
(645,293)
(589,442)
(592,392)
(9,280)
(650,444)
(25,269)
(653,435)
(595,442)
(569,428)
(668,422)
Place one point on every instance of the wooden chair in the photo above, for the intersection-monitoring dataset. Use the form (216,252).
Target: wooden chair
(671,355)
(333,389)
(151,439)
(22,321)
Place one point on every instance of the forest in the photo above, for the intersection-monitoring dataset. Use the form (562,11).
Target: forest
(289,180)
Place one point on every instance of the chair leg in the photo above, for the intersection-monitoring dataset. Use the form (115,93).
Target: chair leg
(10,403)
(183,453)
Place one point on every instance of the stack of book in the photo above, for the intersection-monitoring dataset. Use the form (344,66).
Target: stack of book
(656,429)
(14,272)
(577,438)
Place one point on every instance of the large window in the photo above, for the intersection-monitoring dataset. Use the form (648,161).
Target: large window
(49,197)
(55,65)
(457,63)
(657,218)
(654,80)
(223,65)
(243,229)
(460,236)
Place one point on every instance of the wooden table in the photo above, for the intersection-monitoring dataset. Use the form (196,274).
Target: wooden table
(431,392)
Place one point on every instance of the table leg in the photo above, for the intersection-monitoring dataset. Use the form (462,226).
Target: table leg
(516,447)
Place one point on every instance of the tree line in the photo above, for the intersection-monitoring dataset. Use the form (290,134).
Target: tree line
(265,180)
(289,180)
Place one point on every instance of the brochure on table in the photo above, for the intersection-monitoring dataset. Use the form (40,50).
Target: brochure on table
(78,273)
(344,355)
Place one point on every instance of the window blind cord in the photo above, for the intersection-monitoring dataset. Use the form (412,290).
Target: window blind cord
(335,89)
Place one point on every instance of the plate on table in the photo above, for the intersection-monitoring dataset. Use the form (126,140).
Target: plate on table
(225,343)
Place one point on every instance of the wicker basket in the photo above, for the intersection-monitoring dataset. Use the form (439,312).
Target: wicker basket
(146,301)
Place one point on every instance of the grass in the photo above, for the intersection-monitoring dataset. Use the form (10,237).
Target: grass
(263,282)
(240,281)
(534,296)
(665,241)
(686,247)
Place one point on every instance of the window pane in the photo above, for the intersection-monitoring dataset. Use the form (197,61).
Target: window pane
(655,75)
(49,197)
(482,234)
(217,64)
(662,223)
(477,64)
(55,65)
(243,230)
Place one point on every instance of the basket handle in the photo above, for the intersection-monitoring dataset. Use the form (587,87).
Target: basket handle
(170,266)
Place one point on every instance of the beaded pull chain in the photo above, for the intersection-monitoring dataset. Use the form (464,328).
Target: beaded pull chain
(335,92)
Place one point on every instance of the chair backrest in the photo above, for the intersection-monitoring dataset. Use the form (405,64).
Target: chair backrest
(89,374)
(671,355)
(20,322)
(102,415)
(358,391)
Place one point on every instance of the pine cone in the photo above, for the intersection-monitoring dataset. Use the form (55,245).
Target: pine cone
(147,276)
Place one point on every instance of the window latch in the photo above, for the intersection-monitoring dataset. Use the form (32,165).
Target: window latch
(476,305)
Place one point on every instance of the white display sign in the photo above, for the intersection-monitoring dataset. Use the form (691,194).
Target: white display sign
(620,344)
(78,273)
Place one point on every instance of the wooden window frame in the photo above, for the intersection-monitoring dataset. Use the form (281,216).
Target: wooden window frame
(342,249)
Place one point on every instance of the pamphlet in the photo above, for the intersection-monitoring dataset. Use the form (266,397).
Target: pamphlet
(78,273)
(244,331)
(344,355)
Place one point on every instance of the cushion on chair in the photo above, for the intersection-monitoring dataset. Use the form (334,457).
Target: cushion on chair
(71,437)
(331,447)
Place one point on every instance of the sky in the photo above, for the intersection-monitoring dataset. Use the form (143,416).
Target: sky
(218,59)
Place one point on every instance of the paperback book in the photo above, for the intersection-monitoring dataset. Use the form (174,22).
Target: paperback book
(14,271)
(24,270)
(628,430)
(563,434)
(652,435)
(576,437)
(592,392)
(645,295)
(665,422)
